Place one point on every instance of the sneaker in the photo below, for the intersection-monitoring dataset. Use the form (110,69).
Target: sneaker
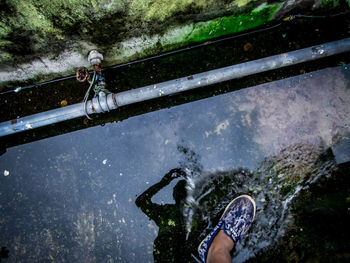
(235,222)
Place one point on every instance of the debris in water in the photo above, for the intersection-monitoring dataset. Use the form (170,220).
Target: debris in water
(248,46)
(171,222)
(104,161)
(64,103)
(6,173)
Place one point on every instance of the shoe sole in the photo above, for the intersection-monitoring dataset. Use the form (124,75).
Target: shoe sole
(247,196)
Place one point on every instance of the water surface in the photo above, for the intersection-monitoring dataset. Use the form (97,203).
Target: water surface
(71,198)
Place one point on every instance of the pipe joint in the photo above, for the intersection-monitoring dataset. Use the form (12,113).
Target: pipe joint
(102,103)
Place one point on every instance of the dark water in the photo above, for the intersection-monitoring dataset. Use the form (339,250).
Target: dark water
(71,198)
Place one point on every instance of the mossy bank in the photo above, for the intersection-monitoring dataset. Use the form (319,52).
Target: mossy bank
(44,39)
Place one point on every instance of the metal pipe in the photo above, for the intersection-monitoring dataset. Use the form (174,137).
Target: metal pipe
(104,103)
(232,72)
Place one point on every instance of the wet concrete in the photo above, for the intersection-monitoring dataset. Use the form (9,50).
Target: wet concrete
(71,198)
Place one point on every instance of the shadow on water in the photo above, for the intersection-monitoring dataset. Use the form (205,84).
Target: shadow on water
(302,197)
(4,253)
(170,245)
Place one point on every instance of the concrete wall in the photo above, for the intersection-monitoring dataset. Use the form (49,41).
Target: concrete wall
(40,40)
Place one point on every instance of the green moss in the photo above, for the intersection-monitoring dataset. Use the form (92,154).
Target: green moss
(231,24)
(23,18)
(53,17)
(5,30)
(241,3)
(160,10)
(5,43)
(31,19)
(51,21)
(4,56)
(45,27)
(31,26)
(66,14)
(177,37)
(330,3)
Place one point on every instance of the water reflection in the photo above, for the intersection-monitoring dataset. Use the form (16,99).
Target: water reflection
(72,197)
(275,185)
(4,253)
(282,185)
(170,244)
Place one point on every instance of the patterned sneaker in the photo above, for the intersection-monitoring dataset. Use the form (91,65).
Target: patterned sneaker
(235,222)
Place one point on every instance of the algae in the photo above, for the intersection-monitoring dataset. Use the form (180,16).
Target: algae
(330,3)
(231,24)
(124,30)
(163,9)
(45,22)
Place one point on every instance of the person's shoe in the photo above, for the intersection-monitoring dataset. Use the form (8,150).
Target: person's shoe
(235,222)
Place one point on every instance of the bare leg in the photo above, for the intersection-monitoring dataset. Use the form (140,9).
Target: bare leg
(220,248)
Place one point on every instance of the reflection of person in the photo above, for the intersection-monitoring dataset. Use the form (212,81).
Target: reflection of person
(4,253)
(233,225)
(170,244)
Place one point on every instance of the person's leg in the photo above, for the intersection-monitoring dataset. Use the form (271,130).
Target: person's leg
(220,248)
(233,225)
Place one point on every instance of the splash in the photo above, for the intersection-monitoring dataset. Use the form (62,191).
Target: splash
(279,180)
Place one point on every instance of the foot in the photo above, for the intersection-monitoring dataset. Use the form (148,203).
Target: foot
(234,223)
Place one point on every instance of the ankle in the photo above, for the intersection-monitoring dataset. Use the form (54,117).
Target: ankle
(220,248)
